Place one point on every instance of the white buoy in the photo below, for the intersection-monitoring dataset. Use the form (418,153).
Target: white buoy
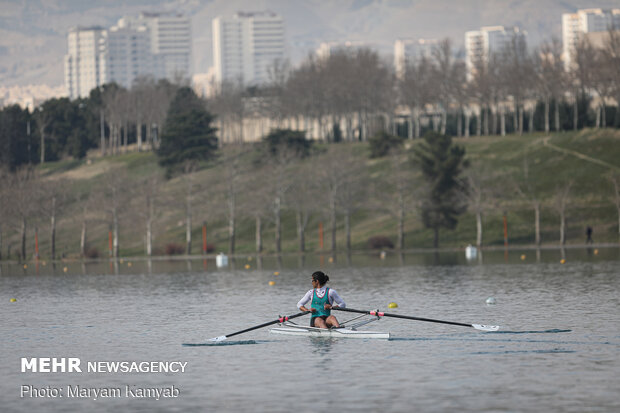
(221,260)
(490,301)
(471,252)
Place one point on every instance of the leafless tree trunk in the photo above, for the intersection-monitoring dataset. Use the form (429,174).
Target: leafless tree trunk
(536,205)
(615,180)
(23,238)
(259,234)
(53,228)
(189,193)
(83,239)
(562,199)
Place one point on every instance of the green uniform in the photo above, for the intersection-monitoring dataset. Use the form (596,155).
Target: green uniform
(319,304)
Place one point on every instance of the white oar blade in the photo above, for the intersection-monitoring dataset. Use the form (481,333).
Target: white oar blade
(484,327)
(220,338)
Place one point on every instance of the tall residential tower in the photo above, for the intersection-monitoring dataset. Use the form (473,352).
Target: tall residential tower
(246,46)
(83,62)
(574,25)
(157,45)
(479,44)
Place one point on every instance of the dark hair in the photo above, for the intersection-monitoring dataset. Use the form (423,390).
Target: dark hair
(321,277)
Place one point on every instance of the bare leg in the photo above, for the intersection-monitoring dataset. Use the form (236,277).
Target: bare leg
(332,322)
(320,323)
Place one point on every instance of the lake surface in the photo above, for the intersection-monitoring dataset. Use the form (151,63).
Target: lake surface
(558,349)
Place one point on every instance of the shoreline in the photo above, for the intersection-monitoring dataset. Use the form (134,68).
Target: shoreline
(192,257)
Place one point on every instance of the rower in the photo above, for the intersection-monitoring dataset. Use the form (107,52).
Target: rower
(322,300)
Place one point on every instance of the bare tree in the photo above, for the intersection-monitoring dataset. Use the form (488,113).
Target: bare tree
(580,74)
(480,196)
(561,201)
(53,199)
(114,198)
(517,75)
(233,179)
(20,187)
(303,198)
(551,78)
(415,91)
(395,192)
(341,176)
(150,189)
(605,75)
(143,87)
(615,180)
(610,56)
(229,106)
(279,184)
(449,75)
(530,190)
(188,178)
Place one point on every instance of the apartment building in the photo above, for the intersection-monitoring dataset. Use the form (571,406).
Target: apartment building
(158,45)
(575,25)
(83,62)
(246,46)
(479,44)
(170,40)
(408,50)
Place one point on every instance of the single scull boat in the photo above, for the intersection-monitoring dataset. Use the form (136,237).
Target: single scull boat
(347,329)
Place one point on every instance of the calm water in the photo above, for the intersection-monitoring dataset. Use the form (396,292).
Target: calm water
(559,348)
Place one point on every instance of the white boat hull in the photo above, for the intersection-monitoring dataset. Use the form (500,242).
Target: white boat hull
(296,330)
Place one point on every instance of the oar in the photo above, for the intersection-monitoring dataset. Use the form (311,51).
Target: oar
(278,320)
(382,314)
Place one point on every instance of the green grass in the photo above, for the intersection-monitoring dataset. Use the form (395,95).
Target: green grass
(502,158)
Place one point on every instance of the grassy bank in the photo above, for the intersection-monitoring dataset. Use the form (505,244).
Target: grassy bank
(586,159)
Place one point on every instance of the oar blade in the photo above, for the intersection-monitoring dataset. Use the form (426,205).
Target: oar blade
(483,327)
(217,339)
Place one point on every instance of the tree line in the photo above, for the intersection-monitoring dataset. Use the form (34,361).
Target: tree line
(350,95)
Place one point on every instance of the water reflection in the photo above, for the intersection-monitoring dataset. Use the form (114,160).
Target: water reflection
(321,346)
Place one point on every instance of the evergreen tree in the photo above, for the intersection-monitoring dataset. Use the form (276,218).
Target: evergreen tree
(17,145)
(187,135)
(441,164)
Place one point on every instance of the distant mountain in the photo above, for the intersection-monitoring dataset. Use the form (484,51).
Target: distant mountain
(33,32)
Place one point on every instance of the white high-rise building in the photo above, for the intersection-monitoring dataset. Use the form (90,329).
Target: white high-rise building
(408,50)
(127,55)
(171,41)
(479,44)
(83,62)
(246,46)
(158,45)
(585,21)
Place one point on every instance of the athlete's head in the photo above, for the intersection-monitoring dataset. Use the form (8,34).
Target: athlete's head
(320,277)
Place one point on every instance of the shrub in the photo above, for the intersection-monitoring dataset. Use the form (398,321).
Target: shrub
(380,242)
(382,143)
(91,252)
(174,249)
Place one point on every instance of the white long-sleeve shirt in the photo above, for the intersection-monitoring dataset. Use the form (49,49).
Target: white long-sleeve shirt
(333,297)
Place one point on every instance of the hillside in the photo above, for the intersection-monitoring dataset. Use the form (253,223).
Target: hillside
(586,158)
